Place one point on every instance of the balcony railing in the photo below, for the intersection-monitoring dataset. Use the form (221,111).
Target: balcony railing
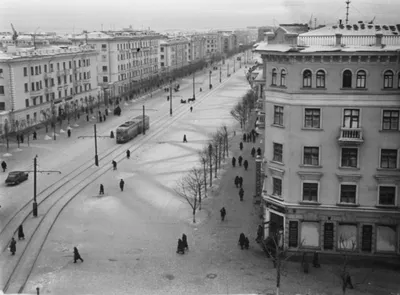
(351,135)
(48,75)
(36,92)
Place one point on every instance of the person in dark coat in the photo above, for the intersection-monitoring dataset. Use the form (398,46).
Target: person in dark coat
(4,166)
(101,189)
(237,181)
(13,246)
(253,152)
(180,249)
(104,118)
(121,185)
(128,154)
(241,194)
(242,240)
(114,165)
(223,213)
(77,256)
(34,135)
(69,132)
(259,233)
(241,145)
(246,243)
(240,181)
(22,138)
(244,137)
(184,242)
(21,235)
(259,151)
(240,159)
(245,164)
(248,137)
(191,109)
(233,161)
(184,138)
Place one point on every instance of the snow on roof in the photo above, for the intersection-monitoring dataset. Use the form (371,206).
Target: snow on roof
(356,29)
(296,29)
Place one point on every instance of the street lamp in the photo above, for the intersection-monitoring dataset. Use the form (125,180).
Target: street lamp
(210,79)
(227,73)
(234,64)
(170,97)
(194,94)
(210,154)
(96,157)
(220,73)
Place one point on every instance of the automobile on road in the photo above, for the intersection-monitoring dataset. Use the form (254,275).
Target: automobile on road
(16,177)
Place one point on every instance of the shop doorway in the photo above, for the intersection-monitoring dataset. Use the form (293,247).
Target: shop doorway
(275,224)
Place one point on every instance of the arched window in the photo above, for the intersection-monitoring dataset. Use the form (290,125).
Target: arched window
(361,79)
(283,78)
(347,76)
(320,79)
(273,77)
(307,79)
(388,79)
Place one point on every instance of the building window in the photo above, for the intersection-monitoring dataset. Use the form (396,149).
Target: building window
(310,191)
(390,120)
(312,118)
(388,79)
(347,77)
(32,71)
(278,115)
(349,157)
(278,153)
(348,193)
(361,79)
(311,156)
(347,237)
(27,102)
(283,78)
(105,79)
(387,195)
(273,77)
(307,79)
(104,68)
(310,234)
(276,186)
(389,159)
(351,118)
(26,87)
(25,71)
(398,80)
(2,106)
(320,79)
(33,86)
(386,238)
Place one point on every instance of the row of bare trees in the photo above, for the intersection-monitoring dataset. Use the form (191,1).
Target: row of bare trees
(193,186)
(241,111)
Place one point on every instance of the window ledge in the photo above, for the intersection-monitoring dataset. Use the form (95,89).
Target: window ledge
(389,130)
(309,203)
(349,168)
(311,129)
(387,206)
(354,89)
(310,88)
(276,125)
(309,166)
(347,205)
(277,163)
(390,89)
(388,169)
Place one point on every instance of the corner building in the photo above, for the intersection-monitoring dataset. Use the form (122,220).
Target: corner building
(332,142)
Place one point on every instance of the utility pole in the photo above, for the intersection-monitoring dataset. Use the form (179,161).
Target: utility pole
(35,171)
(347,11)
(194,85)
(234,65)
(144,122)
(96,157)
(220,73)
(170,97)
(209,79)
(227,73)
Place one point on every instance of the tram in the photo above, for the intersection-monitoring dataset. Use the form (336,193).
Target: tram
(130,129)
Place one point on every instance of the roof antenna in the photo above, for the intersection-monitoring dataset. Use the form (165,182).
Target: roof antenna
(347,11)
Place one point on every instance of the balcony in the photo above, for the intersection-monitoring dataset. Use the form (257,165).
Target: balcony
(36,92)
(351,136)
(48,75)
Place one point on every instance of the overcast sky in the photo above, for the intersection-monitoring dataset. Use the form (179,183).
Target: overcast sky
(68,15)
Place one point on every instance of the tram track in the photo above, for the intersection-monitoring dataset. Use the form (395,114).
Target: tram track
(53,204)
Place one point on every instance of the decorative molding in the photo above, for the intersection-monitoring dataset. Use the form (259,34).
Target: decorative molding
(368,59)
(276,171)
(308,175)
(349,177)
(387,179)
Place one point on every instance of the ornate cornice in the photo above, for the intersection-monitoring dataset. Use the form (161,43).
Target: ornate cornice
(276,171)
(348,177)
(308,175)
(387,179)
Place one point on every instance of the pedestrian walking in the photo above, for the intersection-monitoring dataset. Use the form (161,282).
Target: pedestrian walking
(87,118)
(184,138)
(69,132)
(259,151)
(237,181)
(184,242)
(13,246)
(104,118)
(4,166)
(245,165)
(77,256)
(253,151)
(180,249)
(233,161)
(246,243)
(223,213)
(240,159)
(242,240)
(240,181)
(21,235)
(241,194)
(259,233)
(128,154)
(22,138)
(244,137)
(114,165)
(34,135)
(241,145)
(101,189)
(316,260)
(191,109)
(121,185)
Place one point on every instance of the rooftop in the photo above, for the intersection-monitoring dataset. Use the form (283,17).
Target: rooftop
(100,35)
(263,47)
(356,29)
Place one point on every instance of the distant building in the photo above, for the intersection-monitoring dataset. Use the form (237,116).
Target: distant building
(197,47)
(174,53)
(214,44)
(48,82)
(285,34)
(262,31)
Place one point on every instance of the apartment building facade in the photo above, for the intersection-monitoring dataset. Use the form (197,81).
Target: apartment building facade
(197,45)
(213,44)
(332,147)
(126,59)
(38,84)
(174,53)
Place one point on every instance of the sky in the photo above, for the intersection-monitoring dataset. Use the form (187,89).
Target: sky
(161,15)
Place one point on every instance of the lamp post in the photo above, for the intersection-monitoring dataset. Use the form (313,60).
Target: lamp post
(170,97)
(209,79)
(220,73)
(234,64)
(210,154)
(194,93)
(96,157)
(227,73)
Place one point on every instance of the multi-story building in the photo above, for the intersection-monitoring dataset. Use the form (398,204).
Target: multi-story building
(174,53)
(37,84)
(196,51)
(262,31)
(213,44)
(126,61)
(285,34)
(332,144)
(230,42)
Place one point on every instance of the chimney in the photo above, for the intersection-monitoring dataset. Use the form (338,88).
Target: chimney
(266,38)
(378,40)
(340,22)
(338,39)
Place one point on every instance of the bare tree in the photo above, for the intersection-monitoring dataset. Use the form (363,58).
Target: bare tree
(204,158)
(188,187)
(226,140)
(6,132)
(239,114)
(215,143)
(345,278)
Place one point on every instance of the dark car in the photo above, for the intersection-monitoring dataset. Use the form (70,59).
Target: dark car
(16,177)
